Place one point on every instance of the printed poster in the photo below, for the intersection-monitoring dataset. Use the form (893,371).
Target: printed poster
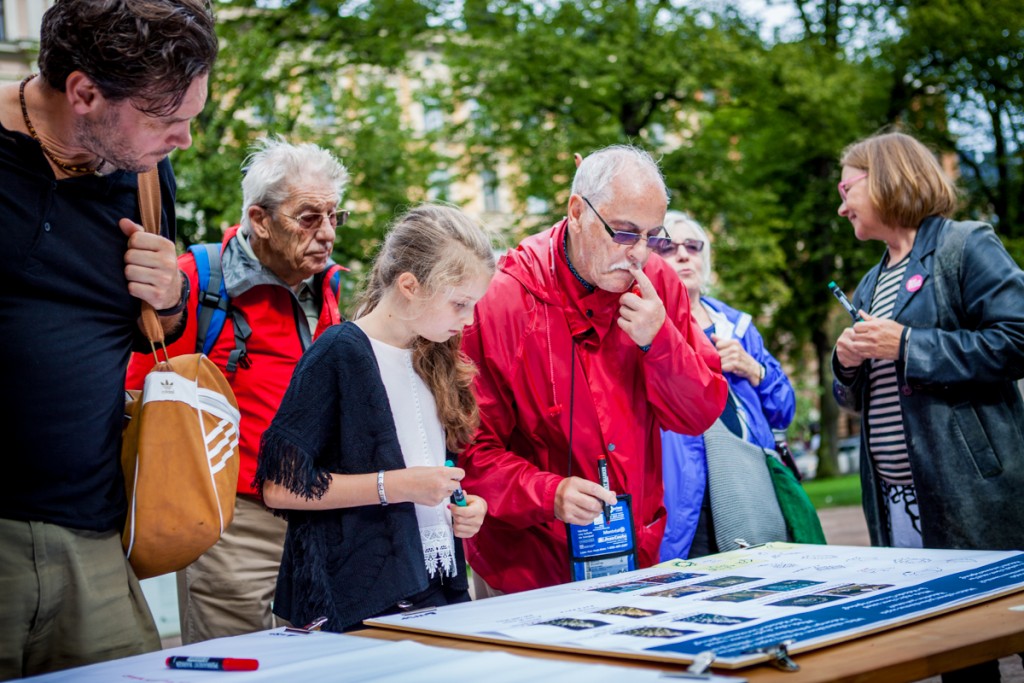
(733,603)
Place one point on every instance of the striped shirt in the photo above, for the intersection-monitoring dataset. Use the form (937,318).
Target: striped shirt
(887,442)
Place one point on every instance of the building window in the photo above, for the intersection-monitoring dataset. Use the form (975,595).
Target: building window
(439,186)
(433,116)
(489,179)
(536,206)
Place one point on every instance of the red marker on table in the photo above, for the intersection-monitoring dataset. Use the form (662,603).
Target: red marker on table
(213,663)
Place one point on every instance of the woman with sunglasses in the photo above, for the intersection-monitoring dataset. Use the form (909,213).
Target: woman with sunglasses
(932,365)
(762,397)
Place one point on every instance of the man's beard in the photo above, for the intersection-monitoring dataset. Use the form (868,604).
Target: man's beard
(102,139)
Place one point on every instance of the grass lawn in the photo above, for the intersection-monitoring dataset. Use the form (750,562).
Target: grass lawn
(834,492)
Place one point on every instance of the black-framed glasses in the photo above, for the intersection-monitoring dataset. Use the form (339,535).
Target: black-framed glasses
(658,244)
(692,246)
(312,221)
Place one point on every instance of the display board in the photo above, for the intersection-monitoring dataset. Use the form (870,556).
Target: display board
(734,604)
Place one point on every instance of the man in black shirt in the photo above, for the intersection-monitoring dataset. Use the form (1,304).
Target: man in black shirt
(119,82)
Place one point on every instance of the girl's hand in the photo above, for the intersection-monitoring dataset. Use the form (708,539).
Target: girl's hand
(466,521)
(423,485)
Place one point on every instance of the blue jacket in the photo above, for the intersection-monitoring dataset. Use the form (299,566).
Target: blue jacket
(768,406)
(962,413)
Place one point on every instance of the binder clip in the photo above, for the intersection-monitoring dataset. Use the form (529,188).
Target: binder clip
(778,656)
(308,628)
(699,670)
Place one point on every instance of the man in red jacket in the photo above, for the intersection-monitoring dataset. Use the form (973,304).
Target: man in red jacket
(586,347)
(277,269)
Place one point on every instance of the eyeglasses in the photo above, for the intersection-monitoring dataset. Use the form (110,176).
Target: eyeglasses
(312,221)
(661,245)
(845,185)
(692,246)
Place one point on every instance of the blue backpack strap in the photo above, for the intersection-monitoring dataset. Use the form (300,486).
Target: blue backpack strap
(334,275)
(213,296)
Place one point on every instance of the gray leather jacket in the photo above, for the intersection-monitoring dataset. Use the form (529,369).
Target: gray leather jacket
(962,412)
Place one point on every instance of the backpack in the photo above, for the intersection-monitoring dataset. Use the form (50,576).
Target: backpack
(215,304)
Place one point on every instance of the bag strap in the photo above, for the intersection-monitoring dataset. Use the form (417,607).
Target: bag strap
(149,208)
(214,301)
(948,256)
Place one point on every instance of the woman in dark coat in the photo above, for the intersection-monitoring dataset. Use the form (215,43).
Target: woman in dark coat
(932,367)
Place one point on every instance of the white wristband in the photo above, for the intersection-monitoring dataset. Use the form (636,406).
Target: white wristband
(380,488)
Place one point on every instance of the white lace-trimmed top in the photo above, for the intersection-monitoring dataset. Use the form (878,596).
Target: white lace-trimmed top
(421,437)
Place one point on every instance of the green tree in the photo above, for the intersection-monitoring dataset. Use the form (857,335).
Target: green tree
(323,72)
(968,57)
(750,134)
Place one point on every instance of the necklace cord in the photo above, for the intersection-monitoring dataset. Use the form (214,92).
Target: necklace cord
(70,168)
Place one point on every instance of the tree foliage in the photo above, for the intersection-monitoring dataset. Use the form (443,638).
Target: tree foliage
(748,130)
(309,71)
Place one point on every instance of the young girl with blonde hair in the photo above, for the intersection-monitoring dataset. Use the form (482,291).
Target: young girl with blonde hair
(356,454)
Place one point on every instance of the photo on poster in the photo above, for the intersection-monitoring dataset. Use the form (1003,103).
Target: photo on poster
(727,581)
(739,596)
(805,601)
(677,592)
(631,612)
(655,632)
(789,585)
(856,589)
(715,619)
(670,578)
(574,624)
(622,587)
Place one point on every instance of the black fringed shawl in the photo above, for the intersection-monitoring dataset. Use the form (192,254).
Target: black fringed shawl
(354,563)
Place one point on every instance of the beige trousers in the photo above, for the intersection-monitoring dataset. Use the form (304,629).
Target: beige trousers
(229,590)
(67,597)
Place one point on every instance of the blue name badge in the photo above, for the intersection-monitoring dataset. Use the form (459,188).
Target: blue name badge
(603,549)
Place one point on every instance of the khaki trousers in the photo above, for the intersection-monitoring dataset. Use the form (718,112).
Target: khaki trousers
(67,597)
(229,590)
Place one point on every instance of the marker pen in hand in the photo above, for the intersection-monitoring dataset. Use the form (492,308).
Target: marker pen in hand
(845,302)
(213,663)
(602,472)
(457,495)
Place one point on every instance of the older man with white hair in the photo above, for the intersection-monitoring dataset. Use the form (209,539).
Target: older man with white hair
(280,293)
(586,347)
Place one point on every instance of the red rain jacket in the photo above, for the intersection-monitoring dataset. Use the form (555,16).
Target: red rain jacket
(522,343)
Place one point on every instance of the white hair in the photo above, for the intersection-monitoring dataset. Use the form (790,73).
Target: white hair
(679,219)
(597,171)
(274,168)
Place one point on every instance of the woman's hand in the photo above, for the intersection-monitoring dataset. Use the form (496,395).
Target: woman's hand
(736,360)
(467,520)
(873,338)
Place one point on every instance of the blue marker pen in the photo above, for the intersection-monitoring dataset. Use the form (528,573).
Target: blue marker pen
(458,497)
(845,302)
